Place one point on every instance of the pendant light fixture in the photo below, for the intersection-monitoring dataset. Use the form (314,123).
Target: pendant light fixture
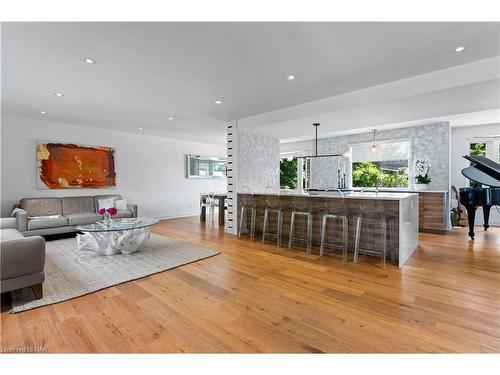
(316,125)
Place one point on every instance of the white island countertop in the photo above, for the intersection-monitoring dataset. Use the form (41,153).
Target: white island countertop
(347,195)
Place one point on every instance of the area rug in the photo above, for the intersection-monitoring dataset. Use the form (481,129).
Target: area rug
(71,273)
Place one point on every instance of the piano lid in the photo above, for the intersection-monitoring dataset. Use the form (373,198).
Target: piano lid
(484,171)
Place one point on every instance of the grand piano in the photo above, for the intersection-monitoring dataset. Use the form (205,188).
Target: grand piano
(485,173)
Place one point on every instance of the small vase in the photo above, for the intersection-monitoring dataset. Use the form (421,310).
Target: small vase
(106,220)
(421,187)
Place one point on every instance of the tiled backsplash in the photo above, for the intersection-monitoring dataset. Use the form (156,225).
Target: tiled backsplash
(431,142)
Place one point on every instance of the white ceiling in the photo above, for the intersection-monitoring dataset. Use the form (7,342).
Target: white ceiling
(462,95)
(146,72)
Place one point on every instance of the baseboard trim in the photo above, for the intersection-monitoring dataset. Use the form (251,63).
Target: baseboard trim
(177,215)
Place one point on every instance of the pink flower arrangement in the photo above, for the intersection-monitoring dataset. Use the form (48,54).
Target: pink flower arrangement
(111,211)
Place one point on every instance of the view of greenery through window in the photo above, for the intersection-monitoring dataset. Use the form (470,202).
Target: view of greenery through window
(476,149)
(288,173)
(392,173)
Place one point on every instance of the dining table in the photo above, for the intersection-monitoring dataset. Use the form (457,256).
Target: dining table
(221,198)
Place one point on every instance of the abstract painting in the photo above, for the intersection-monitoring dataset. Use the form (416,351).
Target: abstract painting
(72,166)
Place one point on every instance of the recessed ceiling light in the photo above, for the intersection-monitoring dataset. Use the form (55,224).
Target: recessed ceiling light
(218,102)
(140,128)
(459,49)
(170,118)
(290,77)
(42,112)
(89,61)
(59,94)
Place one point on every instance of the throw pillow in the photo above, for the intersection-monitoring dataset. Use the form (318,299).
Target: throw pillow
(105,203)
(121,204)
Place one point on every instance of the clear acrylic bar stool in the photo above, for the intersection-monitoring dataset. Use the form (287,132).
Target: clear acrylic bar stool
(335,210)
(375,214)
(247,204)
(272,206)
(301,207)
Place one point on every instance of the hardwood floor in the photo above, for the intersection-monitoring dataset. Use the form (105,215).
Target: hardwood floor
(258,298)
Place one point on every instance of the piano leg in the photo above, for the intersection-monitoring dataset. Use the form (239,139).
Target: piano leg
(471,216)
(486,216)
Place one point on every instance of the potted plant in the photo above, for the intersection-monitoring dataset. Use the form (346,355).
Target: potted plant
(421,174)
(108,214)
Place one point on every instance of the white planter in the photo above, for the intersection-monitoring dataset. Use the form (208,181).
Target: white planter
(420,187)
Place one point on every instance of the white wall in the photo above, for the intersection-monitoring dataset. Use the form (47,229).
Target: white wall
(150,171)
(460,138)
(302,146)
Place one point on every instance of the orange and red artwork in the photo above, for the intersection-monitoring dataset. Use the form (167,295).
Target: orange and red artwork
(71,166)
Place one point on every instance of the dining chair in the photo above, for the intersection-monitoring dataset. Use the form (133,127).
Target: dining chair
(209,202)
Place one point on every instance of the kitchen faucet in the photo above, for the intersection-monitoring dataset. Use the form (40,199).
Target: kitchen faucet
(378,184)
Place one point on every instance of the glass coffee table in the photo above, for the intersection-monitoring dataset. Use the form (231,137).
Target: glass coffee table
(123,236)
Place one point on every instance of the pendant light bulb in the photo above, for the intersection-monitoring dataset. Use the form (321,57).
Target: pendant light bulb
(374,144)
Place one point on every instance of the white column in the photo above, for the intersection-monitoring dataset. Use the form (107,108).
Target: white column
(232,206)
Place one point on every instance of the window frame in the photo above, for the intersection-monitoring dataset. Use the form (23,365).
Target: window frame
(492,150)
(300,168)
(395,140)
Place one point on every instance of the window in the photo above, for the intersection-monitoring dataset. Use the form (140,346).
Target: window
(294,172)
(288,173)
(487,146)
(385,165)
(477,149)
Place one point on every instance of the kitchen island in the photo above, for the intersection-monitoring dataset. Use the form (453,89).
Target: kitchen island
(404,207)
(434,207)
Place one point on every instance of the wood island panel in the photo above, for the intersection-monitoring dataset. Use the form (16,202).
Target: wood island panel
(370,229)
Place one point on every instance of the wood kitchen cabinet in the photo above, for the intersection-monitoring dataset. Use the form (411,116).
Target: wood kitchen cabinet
(434,211)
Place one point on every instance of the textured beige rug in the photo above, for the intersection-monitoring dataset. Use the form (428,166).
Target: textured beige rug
(71,273)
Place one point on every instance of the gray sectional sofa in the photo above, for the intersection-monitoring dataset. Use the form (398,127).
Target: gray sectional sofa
(22,249)
(45,216)
(22,259)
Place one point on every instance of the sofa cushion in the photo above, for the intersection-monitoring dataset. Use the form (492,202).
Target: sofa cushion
(123,213)
(8,222)
(97,197)
(41,206)
(76,205)
(83,218)
(47,223)
(10,234)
